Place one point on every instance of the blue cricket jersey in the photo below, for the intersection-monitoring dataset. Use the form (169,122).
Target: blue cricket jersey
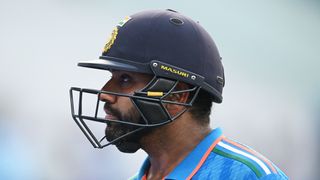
(217,157)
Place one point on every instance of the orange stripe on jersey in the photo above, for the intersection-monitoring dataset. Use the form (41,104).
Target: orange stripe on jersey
(204,157)
(144,177)
(252,152)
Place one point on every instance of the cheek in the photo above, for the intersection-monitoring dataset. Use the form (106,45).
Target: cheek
(124,104)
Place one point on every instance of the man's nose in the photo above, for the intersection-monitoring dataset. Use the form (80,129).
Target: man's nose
(108,98)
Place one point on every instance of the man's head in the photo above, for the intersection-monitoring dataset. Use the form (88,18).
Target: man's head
(160,61)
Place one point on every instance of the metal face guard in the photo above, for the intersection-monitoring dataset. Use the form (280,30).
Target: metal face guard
(150,104)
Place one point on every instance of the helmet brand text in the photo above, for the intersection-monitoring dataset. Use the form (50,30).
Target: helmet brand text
(174,71)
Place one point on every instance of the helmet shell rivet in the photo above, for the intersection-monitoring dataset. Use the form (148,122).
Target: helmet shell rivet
(193,77)
(154,64)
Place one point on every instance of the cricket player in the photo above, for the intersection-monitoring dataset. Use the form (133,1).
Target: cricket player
(166,74)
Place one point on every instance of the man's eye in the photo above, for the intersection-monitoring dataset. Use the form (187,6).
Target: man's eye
(125,79)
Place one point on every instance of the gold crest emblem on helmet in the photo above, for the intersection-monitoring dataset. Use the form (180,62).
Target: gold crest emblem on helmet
(114,34)
(111,40)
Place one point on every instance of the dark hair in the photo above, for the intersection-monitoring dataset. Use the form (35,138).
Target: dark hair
(201,107)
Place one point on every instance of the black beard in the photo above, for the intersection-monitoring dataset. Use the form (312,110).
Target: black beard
(130,143)
(127,144)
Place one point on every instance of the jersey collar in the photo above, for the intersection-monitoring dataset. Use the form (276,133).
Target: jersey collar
(192,163)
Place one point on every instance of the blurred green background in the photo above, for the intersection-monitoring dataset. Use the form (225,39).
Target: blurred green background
(270,51)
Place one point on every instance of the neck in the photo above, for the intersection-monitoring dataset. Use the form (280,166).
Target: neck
(168,145)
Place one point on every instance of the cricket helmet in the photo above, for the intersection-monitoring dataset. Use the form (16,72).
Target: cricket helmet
(166,44)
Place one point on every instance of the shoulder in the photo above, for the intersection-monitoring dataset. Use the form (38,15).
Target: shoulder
(232,160)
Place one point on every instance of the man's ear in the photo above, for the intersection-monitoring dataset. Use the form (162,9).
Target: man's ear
(174,109)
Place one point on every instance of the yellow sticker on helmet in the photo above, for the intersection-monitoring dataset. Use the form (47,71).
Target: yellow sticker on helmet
(152,93)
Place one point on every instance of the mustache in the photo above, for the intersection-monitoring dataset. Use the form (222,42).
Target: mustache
(131,116)
(112,110)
